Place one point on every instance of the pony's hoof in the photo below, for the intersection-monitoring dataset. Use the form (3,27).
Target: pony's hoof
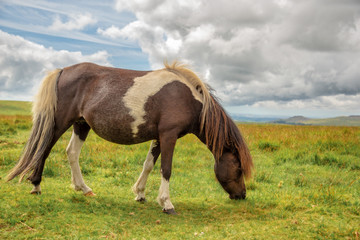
(35,193)
(141,200)
(89,194)
(169,211)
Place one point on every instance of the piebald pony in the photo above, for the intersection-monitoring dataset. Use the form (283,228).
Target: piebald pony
(130,107)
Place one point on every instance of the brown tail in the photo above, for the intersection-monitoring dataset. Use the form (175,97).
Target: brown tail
(44,107)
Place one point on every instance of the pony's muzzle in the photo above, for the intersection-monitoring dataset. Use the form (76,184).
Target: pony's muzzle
(238,196)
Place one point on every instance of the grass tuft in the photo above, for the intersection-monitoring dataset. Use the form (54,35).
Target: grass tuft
(268,146)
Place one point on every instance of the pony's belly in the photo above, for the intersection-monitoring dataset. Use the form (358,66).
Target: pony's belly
(123,134)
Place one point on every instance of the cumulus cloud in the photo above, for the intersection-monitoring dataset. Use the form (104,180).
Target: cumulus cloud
(24,63)
(75,22)
(256,51)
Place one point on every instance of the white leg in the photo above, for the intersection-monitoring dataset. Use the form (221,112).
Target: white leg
(139,186)
(164,196)
(73,152)
(36,190)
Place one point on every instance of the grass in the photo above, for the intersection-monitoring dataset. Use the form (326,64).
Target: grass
(306,185)
(15,108)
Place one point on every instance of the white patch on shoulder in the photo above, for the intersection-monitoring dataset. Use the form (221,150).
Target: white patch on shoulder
(147,86)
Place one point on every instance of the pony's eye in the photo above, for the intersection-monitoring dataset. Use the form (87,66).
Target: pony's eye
(226,182)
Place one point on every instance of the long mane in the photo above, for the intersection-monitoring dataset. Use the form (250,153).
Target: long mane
(219,129)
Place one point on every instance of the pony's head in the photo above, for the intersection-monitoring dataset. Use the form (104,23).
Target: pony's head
(233,162)
(217,130)
(230,175)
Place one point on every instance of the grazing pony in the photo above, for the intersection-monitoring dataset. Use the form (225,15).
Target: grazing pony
(130,107)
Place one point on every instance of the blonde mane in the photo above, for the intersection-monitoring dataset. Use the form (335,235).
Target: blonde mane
(200,86)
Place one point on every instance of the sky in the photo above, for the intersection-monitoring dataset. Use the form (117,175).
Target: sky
(261,57)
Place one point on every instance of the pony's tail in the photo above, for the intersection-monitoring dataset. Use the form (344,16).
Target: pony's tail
(42,132)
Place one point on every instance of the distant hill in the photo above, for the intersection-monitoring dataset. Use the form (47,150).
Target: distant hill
(298,119)
(254,118)
(337,121)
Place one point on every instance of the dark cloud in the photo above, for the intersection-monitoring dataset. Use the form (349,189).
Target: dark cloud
(322,25)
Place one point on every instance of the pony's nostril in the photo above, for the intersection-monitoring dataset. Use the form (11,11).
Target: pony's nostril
(238,196)
(243,195)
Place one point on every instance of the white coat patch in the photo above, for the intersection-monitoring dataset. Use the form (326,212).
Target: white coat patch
(164,195)
(147,86)
(73,152)
(139,187)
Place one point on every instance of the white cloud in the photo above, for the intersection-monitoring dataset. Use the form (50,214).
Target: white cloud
(111,32)
(281,51)
(24,63)
(68,19)
(75,22)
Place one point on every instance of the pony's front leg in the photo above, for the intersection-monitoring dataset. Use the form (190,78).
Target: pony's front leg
(167,144)
(73,151)
(152,156)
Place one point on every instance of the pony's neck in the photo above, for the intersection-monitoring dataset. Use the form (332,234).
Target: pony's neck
(202,137)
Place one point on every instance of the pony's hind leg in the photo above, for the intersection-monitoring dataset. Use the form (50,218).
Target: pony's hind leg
(36,176)
(152,156)
(81,130)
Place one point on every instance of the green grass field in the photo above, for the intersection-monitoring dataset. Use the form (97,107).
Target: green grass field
(11,108)
(306,185)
